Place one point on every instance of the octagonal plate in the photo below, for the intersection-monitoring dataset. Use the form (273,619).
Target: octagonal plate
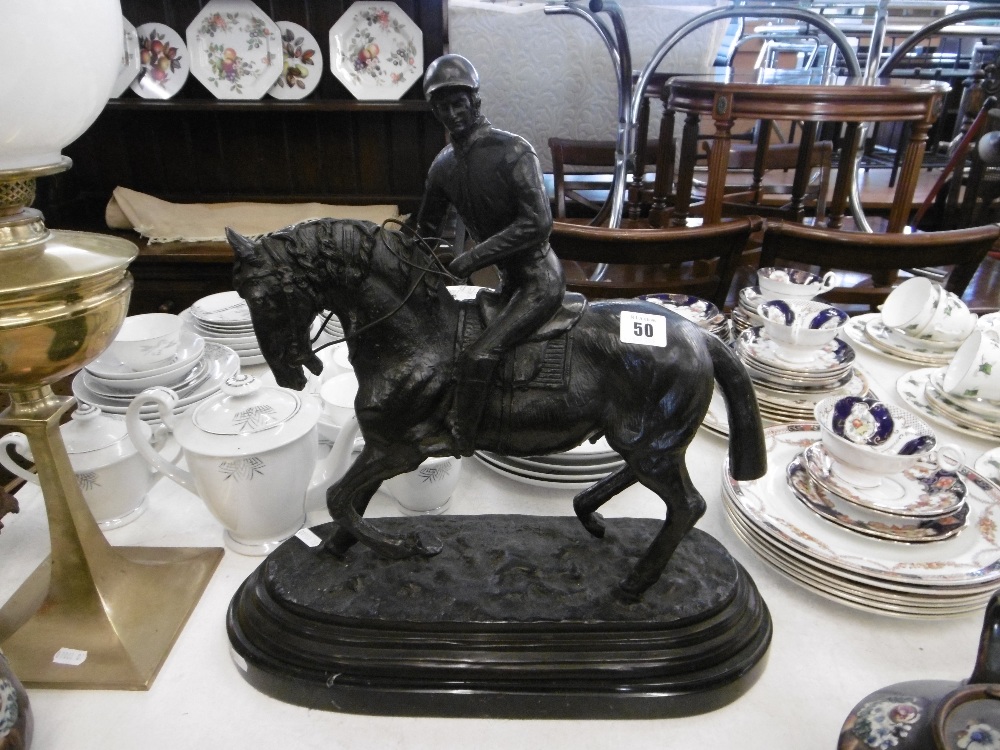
(130,66)
(235,49)
(376,50)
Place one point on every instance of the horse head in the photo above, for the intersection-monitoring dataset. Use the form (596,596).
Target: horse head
(281,306)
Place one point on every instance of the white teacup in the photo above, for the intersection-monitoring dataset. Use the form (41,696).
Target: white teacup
(922,309)
(428,489)
(974,371)
(793,283)
(800,328)
(147,341)
(338,394)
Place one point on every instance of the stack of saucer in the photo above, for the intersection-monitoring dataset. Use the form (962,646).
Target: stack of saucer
(574,469)
(224,319)
(843,542)
(789,392)
(745,315)
(699,311)
(196,372)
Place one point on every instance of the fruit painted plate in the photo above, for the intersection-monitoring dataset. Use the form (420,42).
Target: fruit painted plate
(235,49)
(303,63)
(376,50)
(131,65)
(163,58)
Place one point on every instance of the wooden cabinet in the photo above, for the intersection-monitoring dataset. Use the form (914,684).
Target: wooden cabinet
(328,147)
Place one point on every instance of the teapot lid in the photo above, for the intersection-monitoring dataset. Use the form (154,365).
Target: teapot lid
(90,429)
(245,407)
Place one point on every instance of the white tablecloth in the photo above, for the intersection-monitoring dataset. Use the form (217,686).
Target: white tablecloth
(824,658)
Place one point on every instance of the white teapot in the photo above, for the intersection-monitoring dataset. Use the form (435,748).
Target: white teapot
(252,453)
(113,478)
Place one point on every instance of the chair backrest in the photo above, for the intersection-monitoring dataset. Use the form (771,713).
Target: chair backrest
(878,255)
(699,261)
(581,171)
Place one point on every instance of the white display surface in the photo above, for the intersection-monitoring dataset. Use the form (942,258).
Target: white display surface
(824,658)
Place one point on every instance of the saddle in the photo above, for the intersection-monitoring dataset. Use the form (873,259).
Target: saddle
(541,361)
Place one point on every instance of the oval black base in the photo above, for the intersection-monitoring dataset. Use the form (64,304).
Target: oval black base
(517,618)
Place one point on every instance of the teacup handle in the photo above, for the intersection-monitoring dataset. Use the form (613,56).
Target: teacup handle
(20,442)
(829,281)
(950,457)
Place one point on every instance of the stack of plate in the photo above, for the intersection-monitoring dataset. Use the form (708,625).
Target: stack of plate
(956,574)
(574,469)
(224,318)
(197,371)
(788,392)
(745,313)
(923,390)
(325,329)
(697,310)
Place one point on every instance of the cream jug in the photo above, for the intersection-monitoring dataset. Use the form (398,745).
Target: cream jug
(251,452)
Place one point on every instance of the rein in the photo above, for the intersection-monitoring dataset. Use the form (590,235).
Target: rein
(440,271)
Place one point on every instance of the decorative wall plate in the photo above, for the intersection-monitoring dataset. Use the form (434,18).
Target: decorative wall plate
(235,49)
(164,62)
(302,65)
(376,50)
(130,59)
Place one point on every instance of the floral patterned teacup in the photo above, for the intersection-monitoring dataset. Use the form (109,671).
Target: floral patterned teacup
(975,370)
(793,283)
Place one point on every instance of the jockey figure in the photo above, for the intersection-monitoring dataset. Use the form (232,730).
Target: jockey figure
(494,181)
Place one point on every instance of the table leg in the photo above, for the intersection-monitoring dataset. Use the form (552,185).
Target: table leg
(845,170)
(802,170)
(902,201)
(665,160)
(718,160)
(685,170)
(760,158)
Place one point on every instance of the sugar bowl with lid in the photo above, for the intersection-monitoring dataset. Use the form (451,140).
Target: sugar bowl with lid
(251,452)
(113,477)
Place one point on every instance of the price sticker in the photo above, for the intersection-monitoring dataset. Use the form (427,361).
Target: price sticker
(70,657)
(308,537)
(643,328)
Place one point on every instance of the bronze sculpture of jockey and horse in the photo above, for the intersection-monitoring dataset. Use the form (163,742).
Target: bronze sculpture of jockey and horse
(525,369)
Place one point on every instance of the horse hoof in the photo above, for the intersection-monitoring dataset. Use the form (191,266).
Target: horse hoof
(628,592)
(594,523)
(338,543)
(427,547)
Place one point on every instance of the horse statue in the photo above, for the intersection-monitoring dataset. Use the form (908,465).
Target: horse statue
(402,327)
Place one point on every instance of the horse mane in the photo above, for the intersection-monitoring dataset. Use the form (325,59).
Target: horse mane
(344,251)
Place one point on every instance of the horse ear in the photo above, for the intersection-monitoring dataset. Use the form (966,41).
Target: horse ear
(245,250)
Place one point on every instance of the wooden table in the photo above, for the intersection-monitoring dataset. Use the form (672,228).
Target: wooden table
(810,98)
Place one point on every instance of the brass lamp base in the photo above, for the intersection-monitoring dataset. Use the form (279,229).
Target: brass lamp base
(123,606)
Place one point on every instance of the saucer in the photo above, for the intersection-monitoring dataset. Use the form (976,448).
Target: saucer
(912,387)
(831,357)
(225,309)
(834,508)
(922,491)
(890,342)
(981,407)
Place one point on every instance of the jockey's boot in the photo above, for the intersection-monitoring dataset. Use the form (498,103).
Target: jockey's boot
(471,390)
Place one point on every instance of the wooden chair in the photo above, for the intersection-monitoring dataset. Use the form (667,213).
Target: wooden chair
(581,173)
(699,261)
(876,256)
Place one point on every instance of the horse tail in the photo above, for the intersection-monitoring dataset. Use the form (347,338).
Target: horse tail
(747,452)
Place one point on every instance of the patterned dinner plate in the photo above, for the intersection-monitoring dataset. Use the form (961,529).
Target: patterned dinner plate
(921,491)
(908,350)
(376,50)
(839,510)
(970,558)
(235,49)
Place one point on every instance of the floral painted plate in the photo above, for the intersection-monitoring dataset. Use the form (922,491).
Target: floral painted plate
(235,49)
(970,559)
(912,386)
(832,507)
(303,63)
(131,65)
(164,62)
(921,491)
(889,342)
(376,50)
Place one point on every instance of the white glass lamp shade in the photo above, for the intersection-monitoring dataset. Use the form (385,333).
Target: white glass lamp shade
(58,63)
